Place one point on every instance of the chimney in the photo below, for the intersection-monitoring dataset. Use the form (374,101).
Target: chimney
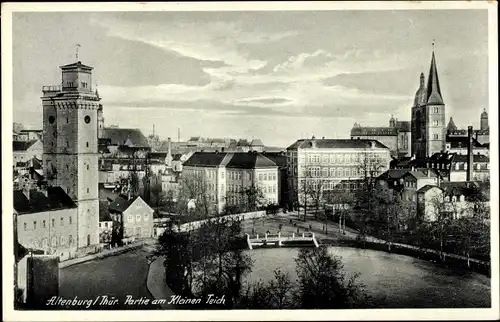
(169,153)
(470,154)
(428,173)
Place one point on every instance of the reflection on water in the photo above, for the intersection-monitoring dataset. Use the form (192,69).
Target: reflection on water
(399,280)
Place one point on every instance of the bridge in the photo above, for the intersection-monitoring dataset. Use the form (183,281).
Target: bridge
(279,240)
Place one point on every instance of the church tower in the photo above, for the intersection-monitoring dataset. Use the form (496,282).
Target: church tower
(70,158)
(428,116)
(484,121)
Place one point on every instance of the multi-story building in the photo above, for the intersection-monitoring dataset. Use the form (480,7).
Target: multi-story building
(70,158)
(482,136)
(28,135)
(134,216)
(47,220)
(451,167)
(24,153)
(330,164)
(396,137)
(227,177)
(279,158)
(428,128)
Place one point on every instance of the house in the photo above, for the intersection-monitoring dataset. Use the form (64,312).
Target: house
(452,199)
(134,216)
(428,199)
(414,180)
(279,158)
(458,145)
(227,176)
(47,220)
(24,151)
(122,136)
(28,135)
(397,136)
(333,164)
(450,166)
(105,223)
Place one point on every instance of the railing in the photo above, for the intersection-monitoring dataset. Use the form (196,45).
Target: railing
(52,88)
(278,239)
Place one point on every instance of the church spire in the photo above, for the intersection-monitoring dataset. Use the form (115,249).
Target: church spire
(451,125)
(434,96)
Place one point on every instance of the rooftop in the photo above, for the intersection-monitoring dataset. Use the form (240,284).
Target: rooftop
(336,144)
(56,199)
(120,136)
(120,204)
(23,145)
(249,160)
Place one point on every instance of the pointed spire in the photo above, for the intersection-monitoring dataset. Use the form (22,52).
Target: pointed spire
(451,125)
(433,89)
(422,80)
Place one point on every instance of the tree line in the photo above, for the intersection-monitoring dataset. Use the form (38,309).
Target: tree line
(212,260)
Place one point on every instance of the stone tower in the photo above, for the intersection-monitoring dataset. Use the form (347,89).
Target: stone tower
(484,121)
(70,156)
(428,116)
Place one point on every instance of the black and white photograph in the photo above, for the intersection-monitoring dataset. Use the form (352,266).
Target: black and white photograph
(304,162)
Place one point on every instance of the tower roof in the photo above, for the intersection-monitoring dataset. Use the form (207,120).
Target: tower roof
(76,66)
(484,114)
(420,95)
(433,89)
(451,125)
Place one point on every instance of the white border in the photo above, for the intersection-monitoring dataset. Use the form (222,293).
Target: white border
(284,315)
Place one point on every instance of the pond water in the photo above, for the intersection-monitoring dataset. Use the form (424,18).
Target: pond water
(399,281)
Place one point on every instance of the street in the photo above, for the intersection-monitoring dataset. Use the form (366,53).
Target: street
(117,276)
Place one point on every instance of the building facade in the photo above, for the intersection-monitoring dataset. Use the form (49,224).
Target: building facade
(397,137)
(135,217)
(328,164)
(228,177)
(47,221)
(70,157)
(428,128)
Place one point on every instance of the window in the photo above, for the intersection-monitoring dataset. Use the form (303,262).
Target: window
(325,158)
(130,218)
(137,217)
(34,225)
(70,240)
(87,119)
(146,217)
(54,241)
(62,221)
(348,158)
(25,226)
(53,222)
(52,119)
(87,144)
(43,224)
(63,240)
(436,109)
(88,190)
(347,172)
(332,172)
(340,158)
(105,224)
(88,167)
(436,123)
(67,144)
(67,120)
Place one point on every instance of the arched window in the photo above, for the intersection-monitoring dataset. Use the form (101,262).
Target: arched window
(54,242)
(454,199)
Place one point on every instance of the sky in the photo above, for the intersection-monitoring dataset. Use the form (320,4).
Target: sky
(278,76)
